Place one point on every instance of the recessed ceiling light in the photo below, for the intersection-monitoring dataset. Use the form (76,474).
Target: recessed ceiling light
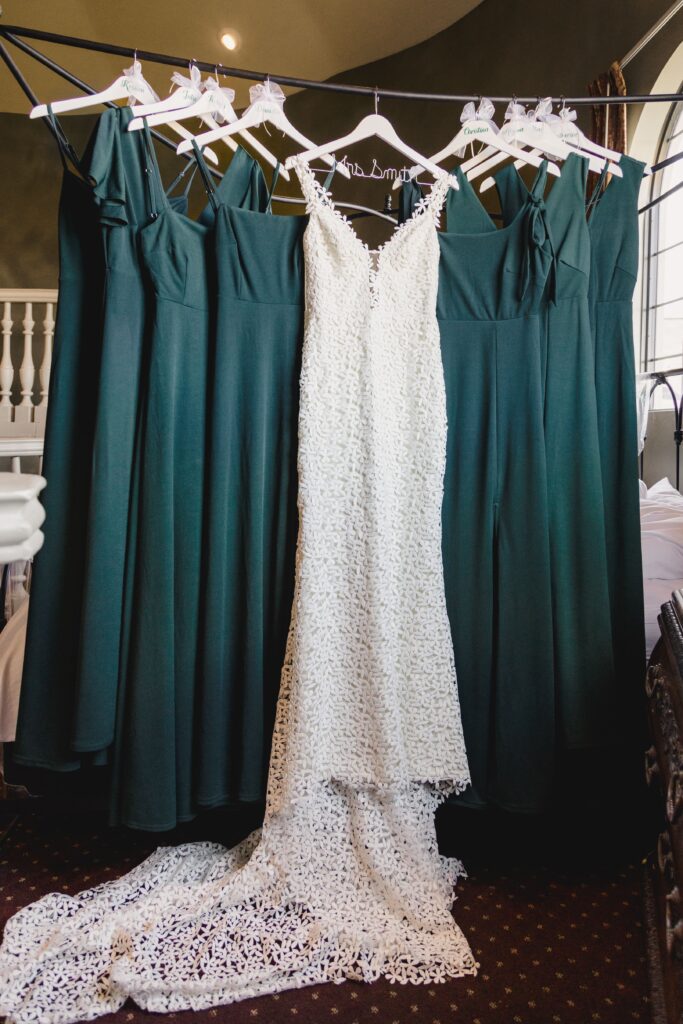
(230,40)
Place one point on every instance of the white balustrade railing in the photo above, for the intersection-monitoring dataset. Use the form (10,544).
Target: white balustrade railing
(23,408)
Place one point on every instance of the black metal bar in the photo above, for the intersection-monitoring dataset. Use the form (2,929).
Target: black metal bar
(659,379)
(26,88)
(52,65)
(305,83)
(661,198)
(666,162)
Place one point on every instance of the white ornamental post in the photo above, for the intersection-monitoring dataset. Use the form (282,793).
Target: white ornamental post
(27,372)
(40,411)
(6,368)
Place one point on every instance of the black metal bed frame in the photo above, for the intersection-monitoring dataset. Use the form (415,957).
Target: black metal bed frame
(661,379)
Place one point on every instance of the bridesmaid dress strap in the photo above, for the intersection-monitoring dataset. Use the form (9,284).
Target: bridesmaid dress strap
(191,165)
(271,190)
(63,145)
(330,175)
(156,196)
(206,175)
(598,191)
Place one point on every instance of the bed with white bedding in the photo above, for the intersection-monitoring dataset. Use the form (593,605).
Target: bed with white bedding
(661,524)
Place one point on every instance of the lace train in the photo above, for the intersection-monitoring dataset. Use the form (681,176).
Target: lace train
(362,892)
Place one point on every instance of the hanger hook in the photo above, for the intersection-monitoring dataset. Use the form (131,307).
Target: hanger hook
(563,102)
(376,99)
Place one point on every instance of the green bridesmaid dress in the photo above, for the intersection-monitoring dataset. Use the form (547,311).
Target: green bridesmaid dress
(119,170)
(48,694)
(584,667)
(157,711)
(73,646)
(613,225)
(251,516)
(496,545)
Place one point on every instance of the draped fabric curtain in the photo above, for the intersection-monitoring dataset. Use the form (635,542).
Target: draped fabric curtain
(608,123)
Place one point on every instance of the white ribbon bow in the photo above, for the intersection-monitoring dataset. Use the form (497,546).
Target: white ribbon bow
(266,92)
(134,73)
(193,83)
(543,111)
(484,112)
(213,85)
(515,111)
(567,114)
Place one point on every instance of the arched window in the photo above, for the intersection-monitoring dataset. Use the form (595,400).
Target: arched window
(661,335)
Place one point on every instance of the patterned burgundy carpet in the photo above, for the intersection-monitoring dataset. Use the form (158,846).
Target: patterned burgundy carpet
(557,945)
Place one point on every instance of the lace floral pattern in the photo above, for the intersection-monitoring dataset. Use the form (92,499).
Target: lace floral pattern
(345,879)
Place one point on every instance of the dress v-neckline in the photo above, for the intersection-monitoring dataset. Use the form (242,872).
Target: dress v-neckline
(628,164)
(320,198)
(528,192)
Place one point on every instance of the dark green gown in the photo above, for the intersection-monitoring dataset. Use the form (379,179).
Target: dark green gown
(252,521)
(613,226)
(48,694)
(117,172)
(119,168)
(495,516)
(72,656)
(584,668)
(157,715)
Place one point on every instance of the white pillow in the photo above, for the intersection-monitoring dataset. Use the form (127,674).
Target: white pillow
(661,523)
(664,489)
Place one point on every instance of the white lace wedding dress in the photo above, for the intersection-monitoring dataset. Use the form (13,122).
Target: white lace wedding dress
(345,879)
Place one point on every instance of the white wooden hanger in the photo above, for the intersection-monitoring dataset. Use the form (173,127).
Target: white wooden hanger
(266,106)
(478,126)
(532,129)
(212,101)
(131,85)
(372,126)
(564,125)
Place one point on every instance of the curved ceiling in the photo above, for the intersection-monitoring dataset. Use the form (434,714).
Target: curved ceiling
(304,38)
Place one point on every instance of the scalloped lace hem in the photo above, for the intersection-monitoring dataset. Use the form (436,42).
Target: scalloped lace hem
(348,885)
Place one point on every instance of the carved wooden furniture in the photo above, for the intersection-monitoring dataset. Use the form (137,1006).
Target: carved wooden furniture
(664,769)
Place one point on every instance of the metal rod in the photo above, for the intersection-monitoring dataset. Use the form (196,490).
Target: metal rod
(652,32)
(666,162)
(660,380)
(25,87)
(306,83)
(52,65)
(661,198)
